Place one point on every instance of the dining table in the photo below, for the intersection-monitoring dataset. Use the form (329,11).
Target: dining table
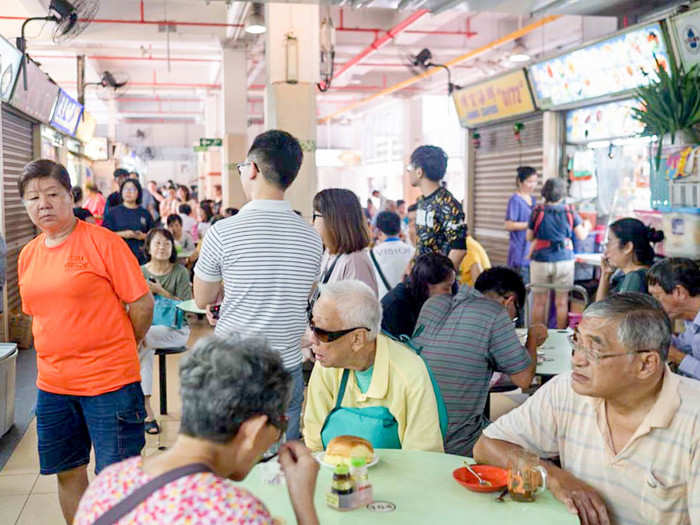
(191,307)
(413,487)
(554,355)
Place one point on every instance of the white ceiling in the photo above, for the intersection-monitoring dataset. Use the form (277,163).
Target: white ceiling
(177,89)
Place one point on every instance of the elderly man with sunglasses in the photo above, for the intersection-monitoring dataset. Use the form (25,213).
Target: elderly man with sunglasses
(624,427)
(364,383)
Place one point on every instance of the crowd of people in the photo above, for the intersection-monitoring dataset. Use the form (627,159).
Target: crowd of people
(401,316)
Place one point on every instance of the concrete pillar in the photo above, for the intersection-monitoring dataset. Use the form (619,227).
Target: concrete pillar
(234,113)
(290,92)
(412,138)
(552,140)
(469,178)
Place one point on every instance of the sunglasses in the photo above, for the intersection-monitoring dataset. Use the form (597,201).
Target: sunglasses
(326,336)
(315,215)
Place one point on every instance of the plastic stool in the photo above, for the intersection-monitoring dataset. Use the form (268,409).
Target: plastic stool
(162,380)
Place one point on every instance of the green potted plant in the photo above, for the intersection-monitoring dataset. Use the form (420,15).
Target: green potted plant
(670,105)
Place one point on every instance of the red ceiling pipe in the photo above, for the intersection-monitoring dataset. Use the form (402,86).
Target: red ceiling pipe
(257,87)
(157,120)
(156,99)
(140,22)
(119,58)
(468,32)
(396,64)
(152,84)
(380,42)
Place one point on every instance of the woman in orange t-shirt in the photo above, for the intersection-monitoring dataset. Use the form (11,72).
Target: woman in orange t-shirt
(74,280)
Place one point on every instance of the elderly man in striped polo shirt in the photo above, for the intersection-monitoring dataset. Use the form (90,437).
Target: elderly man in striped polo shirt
(626,429)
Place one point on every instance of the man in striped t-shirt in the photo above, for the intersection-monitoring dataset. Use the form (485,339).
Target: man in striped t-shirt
(625,428)
(267,257)
(465,339)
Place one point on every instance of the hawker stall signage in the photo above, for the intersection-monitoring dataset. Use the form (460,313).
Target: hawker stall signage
(10,60)
(66,113)
(686,30)
(38,99)
(612,66)
(501,97)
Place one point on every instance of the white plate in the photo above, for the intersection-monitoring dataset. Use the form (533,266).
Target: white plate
(318,456)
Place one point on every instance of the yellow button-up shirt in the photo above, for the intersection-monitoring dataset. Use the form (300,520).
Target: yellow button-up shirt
(400,382)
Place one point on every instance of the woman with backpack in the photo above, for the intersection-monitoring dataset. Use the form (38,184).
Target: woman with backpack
(551,230)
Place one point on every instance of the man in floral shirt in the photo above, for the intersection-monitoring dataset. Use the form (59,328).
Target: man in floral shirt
(440,224)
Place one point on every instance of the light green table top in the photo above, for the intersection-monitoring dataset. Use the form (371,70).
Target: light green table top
(556,352)
(421,486)
(190,306)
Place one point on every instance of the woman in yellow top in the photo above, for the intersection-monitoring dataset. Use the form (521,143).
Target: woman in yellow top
(475,262)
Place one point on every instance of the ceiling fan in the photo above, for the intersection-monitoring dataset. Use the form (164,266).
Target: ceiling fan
(71,18)
(421,62)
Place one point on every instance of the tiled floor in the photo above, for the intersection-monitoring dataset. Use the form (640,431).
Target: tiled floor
(27,498)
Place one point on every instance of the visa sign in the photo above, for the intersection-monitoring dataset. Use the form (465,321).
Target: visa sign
(66,113)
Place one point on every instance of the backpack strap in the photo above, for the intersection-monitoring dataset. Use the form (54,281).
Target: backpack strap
(569,209)
(538,212)
(441,408)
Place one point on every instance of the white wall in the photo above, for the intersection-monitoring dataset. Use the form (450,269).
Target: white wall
(181,172)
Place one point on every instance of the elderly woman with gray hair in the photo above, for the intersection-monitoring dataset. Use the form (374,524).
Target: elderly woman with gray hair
(365,383)
(234,397)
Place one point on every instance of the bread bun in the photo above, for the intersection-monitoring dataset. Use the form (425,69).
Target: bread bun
(342,448)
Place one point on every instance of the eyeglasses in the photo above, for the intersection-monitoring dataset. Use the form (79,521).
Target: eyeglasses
(273,451)
(593,355)
(326,336)
(410,167)
(241,165)
(315,215)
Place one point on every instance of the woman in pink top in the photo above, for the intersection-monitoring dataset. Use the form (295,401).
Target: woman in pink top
(339,220)
(95,202)
(234,397)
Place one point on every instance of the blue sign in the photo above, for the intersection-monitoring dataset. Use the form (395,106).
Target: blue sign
(66,113)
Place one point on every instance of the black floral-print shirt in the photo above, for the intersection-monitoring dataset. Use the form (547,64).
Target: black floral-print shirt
(440,224)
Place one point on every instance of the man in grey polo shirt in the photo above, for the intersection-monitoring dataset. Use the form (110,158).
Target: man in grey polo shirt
(267,258)
(468,337)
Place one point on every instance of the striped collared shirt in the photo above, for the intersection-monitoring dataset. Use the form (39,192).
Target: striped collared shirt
(268,258)
(655,478)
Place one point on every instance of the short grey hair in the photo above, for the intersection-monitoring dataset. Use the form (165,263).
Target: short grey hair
(643,323)
(225,382)
(356,304)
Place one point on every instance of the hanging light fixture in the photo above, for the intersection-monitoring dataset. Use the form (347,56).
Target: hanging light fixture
(519,53)
(255,22)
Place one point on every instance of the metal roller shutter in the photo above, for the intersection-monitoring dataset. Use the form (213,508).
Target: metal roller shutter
(15,151)
(496,162)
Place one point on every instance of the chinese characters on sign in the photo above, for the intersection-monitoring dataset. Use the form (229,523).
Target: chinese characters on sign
(501,97)
(66,113)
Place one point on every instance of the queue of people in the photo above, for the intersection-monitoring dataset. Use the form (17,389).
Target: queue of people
(402,354)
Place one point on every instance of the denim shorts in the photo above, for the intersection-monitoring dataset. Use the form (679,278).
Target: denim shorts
(67,427)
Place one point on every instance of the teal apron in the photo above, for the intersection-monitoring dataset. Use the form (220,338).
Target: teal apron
(375,424)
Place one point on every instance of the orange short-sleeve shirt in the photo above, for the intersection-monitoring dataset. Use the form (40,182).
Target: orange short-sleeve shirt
(75,293)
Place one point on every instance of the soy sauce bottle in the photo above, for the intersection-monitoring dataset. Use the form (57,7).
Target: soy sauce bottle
(342,483)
